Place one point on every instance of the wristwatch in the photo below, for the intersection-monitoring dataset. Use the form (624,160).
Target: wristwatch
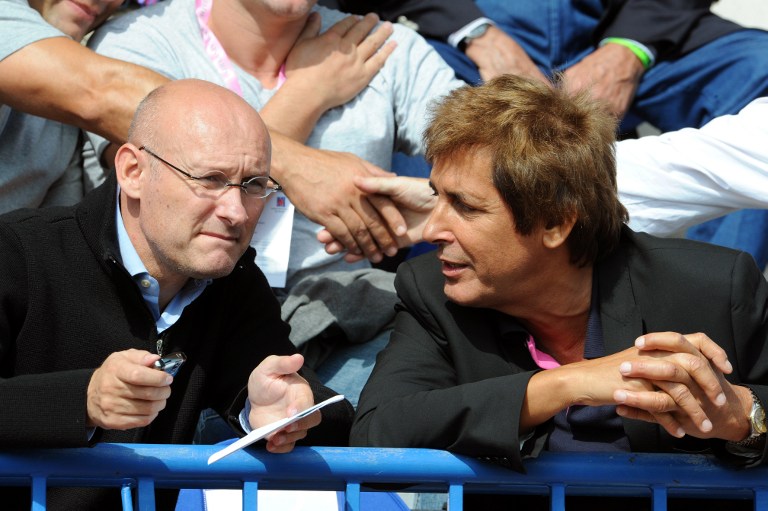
(757,423)
(476,32)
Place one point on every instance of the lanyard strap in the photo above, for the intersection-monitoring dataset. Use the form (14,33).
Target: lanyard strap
(216,53)
(213,48)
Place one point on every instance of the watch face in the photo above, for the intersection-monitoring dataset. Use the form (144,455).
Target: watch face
(477,31)
(759,421)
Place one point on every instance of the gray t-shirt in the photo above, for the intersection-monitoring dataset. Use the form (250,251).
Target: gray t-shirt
(388,115)
(40,161)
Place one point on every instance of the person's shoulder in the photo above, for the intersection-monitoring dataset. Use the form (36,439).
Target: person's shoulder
(35,225)
(644,242)
(692,262)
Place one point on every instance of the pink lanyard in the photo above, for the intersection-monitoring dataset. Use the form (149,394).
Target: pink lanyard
(216,52)
(541,359)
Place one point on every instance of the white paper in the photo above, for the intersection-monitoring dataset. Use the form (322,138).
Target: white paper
(259,433)
(272,238)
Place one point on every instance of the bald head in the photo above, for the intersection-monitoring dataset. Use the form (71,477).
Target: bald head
(192,108)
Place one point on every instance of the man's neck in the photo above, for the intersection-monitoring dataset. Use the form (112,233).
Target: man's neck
(559,321)
(257,41)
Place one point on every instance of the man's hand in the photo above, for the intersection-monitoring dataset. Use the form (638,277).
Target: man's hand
(320,184)
(495,53)
(337,64)
(692,395)
(126,392)
(611,73)
(411,196)
(325,71)
(276,391)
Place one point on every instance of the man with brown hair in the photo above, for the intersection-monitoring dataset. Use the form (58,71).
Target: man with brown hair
(542,322)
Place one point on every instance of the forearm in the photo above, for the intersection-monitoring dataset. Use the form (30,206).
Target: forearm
(93,92)
(675,180)
(291,113)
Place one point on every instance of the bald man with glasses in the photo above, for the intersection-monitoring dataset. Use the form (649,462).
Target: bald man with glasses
(154,262)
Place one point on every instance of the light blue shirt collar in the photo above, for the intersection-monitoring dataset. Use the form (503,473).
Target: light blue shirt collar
(148,285)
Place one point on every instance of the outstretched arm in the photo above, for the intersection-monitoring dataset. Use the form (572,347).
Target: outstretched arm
(93,92)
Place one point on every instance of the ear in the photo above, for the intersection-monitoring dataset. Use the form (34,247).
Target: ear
(128,170)
(555,236)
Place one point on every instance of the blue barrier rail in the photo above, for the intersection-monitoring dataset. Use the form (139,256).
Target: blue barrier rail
(140,469)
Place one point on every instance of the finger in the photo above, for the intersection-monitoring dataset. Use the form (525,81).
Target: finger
(143,392)
(689,343)
(282,364)
(342,235)
(142,375)
(311,27)
(665,420)
(650,401)
(376,225)
(341,27)
(375,62)
(393,219)
(711,350)
(335,247)
(360,31)
(357,219)
(674,397)
(691,370)
(688,404)
(377,185)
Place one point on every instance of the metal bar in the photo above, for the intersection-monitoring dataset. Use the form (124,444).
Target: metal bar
(251,495)
(126,497)
(659,497)
(39,490)
(146,493)
(456,497)
(352,497)
(557,497)
(419,470)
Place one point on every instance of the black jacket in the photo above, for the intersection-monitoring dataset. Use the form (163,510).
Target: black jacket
(460,379)
(66,303)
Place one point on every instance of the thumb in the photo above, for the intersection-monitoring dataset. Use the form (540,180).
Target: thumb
(380,185)
(287,364)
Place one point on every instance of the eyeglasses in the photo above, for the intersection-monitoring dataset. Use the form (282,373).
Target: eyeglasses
(257,187)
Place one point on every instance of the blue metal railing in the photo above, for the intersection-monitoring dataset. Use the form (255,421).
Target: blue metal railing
(142,468)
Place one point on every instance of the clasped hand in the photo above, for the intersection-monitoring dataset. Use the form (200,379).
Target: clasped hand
(687,391)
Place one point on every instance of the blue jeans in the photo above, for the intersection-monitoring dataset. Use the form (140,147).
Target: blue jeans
(347,369)
(716,79)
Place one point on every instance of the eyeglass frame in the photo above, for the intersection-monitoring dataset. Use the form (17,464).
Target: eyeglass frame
(228,184)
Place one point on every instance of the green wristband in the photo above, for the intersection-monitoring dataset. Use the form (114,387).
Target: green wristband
(645,59)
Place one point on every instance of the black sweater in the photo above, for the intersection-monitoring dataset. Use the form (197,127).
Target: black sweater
(66,303)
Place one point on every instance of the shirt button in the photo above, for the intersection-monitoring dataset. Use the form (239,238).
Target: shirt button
(145,283)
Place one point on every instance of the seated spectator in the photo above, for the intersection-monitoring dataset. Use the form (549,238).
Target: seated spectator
(672,64)
(153,262)
(271,70)
(542,322)
(40,162)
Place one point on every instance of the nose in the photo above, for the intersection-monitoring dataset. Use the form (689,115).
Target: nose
(231,208)
(437,228)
